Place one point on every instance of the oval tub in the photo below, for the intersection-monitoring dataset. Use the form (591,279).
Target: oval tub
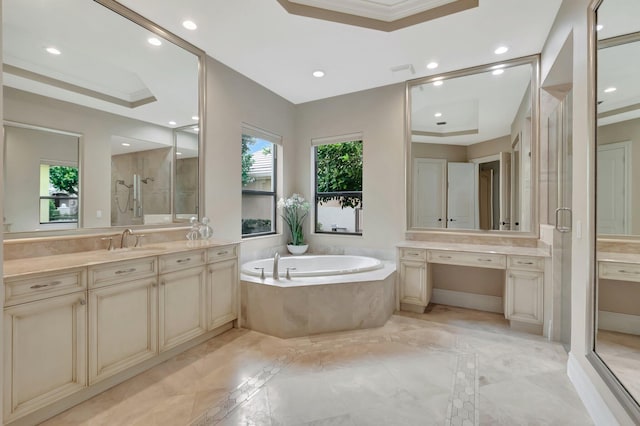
(313,266)
(323,294)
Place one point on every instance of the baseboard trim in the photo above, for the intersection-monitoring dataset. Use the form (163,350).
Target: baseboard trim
(480,302)
(622,323)
(593,402)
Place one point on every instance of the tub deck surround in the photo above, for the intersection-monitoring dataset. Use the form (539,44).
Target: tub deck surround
(304,306)
(313,265)
(520,294)
(42,264)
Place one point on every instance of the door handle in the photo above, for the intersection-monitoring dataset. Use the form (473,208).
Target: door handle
(563,229)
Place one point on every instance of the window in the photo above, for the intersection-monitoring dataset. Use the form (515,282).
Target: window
(259,154)
(58,193)
(338,188)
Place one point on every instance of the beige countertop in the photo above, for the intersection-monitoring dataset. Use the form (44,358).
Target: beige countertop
(32,265)
(618,257)
(478,248)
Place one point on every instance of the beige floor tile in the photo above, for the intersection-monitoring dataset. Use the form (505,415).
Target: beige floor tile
(412,371)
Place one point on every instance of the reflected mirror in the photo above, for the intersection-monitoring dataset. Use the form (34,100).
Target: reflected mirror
(617,327)
(472,146)
(126,95)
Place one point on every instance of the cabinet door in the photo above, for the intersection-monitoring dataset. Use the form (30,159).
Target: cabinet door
(45,352)
(182,307)
(123,327)
(222,284)
(524,296)
(413,283)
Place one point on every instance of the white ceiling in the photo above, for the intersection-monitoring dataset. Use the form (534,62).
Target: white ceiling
(259,39)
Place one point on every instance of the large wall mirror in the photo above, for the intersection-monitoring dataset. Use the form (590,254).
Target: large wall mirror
(617,290)
(472,146)
(101,116)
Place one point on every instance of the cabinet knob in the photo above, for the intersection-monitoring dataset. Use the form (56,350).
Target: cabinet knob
(83,302)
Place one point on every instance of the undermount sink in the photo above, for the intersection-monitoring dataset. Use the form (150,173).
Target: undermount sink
(136,249)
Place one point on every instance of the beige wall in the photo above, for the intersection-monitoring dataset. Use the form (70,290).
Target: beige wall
(96,128)
(485,281)
(451,153)
(621,132)
(572,21)
(459,153)
(233,99)
(490,147)
(26,148)
(379,115)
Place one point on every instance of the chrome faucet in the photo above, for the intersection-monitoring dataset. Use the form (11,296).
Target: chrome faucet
(125,234)
(276,259)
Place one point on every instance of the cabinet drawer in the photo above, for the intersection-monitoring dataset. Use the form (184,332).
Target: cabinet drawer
(482,260)
(619,271)
(115,272)
(178,261)
(526,263)
(42,286)
(217,254)
(413,254)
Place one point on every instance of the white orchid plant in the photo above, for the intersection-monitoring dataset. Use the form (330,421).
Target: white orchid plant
(294,211)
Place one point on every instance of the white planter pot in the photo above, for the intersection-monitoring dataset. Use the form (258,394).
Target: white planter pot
(297,250)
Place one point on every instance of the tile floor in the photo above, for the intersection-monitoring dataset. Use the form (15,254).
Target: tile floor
(621,353)
(449,366)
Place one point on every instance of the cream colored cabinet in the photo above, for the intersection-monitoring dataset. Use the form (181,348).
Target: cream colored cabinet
(45,340)
(123,326)
(414,281)
(222,288)
(45,351)
(182,302)
(524,290)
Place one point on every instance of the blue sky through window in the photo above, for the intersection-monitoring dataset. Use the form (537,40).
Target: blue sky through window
(259,145)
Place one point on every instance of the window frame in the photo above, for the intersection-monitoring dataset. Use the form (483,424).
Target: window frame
(357,211)
(59,163)
(275,142)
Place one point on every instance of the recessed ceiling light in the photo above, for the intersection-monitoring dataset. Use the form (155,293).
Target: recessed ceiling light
(178,153)
(53,51)
(500,50)
(318,73)
(125,144)
(610,90)
(497,72)
(432,65)
(438,83)
(172,123)
(154,41)
(437,114)
(195,117)
(190,25)
(599,27)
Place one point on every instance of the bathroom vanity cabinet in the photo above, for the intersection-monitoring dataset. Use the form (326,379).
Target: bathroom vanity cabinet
(73,332)
(524,282)
(182,301)
(45,340)
(222,286)
(415,291)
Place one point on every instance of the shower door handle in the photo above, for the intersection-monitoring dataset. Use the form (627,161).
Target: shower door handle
(563,229)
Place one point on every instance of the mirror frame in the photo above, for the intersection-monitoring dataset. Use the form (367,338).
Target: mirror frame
(200,54)
(534,61)
(630,405)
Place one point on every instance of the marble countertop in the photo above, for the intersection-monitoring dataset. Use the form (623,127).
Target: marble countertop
(478,248)
(32,265)
(618,257)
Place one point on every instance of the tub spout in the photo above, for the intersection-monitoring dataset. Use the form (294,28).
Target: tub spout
(276,259)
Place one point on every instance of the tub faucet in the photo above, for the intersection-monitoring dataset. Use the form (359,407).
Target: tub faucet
(276,259)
